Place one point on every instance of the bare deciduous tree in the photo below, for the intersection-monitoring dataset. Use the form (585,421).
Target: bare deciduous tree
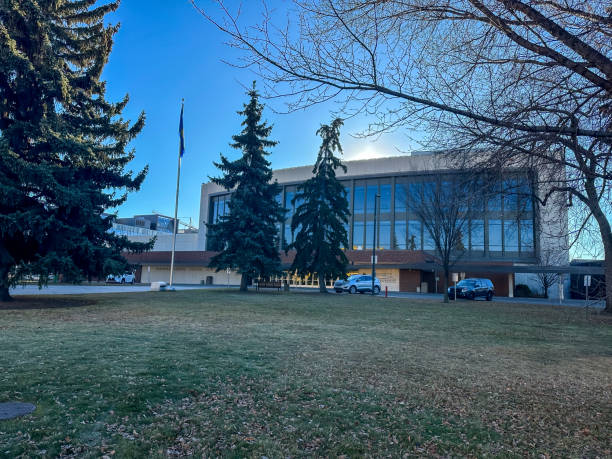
(546,280)
(527,82)
(444,208)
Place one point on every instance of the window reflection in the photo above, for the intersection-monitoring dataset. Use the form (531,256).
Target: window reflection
(399,239)
(526,236)
(428,240)
(510,233)
(495,236)
(511,236)
(384,237)
(414,241)
(401,196)
(359,199)
(371,198)
(358,230)
(369,234)
(477,236)
(385,198)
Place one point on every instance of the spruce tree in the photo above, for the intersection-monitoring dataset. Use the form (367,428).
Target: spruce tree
(247,235)
(322,215)
(62,144)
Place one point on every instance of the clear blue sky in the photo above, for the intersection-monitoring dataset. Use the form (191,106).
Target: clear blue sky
(164,51)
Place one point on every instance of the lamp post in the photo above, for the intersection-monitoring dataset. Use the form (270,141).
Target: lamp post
(376,197)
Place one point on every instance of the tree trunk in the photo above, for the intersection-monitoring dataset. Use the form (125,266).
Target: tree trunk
(322,286)
(606,238)
(243,282)
(4,284)
(546,291)
(446,284)
(608,276)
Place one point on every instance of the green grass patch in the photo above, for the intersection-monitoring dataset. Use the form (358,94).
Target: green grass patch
(218,373)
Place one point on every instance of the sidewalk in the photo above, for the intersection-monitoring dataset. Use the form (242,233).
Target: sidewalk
(599,304)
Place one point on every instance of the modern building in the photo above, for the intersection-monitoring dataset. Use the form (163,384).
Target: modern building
(153,222)
(503,239)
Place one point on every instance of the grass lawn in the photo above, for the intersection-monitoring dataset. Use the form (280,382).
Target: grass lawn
(219,373)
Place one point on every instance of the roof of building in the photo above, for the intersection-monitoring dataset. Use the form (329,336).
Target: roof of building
(385,258)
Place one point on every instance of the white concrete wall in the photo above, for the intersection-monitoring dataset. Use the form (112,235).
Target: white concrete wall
(553,224)
(184,242)
(388,277)
(187,275)
(531,281)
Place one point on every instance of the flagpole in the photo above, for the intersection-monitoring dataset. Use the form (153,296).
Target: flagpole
(178,179)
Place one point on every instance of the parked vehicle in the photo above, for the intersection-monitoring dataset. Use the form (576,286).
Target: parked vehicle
(357,283)
(473,288)
(126,278)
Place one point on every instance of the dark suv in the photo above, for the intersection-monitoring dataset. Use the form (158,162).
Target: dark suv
(473,288)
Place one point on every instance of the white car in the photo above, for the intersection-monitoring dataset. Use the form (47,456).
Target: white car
(127,278)
(357,283)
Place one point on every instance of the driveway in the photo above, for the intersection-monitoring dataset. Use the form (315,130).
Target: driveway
(64,289)
(85,288)
(505,299)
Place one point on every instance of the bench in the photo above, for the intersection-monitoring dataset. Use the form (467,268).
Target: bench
(268,284)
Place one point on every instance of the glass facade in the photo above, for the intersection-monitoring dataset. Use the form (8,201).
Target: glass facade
(502,227)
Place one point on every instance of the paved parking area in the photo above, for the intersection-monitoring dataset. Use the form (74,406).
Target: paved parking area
(84,289)
(505,299)
(114,288)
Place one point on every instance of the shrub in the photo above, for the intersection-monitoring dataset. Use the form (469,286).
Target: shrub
(522,290)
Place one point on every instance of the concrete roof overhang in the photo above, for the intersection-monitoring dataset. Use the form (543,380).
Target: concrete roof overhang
(390,259)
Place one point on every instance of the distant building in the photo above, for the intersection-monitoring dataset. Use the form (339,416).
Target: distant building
(153,222)
(502,242)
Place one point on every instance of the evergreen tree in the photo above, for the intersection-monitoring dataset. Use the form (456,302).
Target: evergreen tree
(62,144)
(322,215)
(247,235)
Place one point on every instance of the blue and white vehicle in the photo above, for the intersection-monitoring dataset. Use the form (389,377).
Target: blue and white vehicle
(357,283)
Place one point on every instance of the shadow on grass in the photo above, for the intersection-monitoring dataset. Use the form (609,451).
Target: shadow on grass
(23,302)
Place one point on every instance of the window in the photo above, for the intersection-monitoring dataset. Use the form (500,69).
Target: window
(371,198)
(525,195)
(415,192)
(401,197)
(288,235)
(385,198)
(526,227)
(511,236)
(289,195)
(359,200)
(369,234)
(399,240)
(511,195)
(477,236)
(429,191)
(494,198)
(495,236)
(219,206)
(358,229)
(414,235)
(384,237)
(428,241)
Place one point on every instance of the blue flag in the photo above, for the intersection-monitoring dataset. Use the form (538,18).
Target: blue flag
(181,135)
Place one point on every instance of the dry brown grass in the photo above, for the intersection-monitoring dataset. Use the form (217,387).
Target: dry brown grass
(221,373)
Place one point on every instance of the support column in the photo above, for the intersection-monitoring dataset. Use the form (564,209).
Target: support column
(510,285)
